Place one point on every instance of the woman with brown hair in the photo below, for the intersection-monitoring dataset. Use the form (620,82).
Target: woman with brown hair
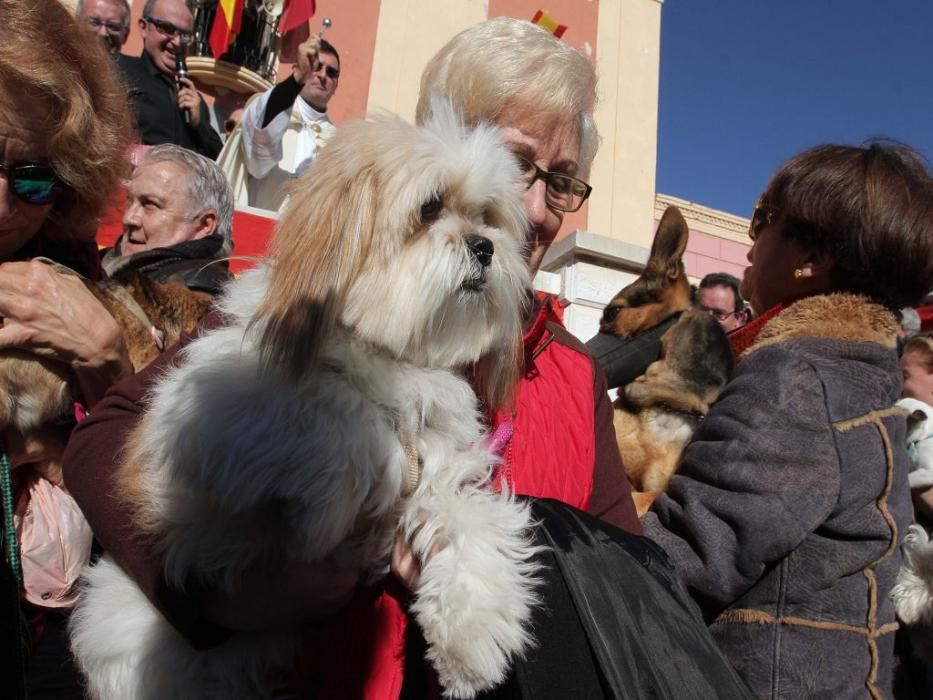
(64,128)
(792,498)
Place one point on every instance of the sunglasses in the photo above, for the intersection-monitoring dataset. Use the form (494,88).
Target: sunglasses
(33,183)
(562,192)
(761,217)
(329,71)
(170,30)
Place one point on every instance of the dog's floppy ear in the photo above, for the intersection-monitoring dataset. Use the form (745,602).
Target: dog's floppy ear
(667,249)
(317,251)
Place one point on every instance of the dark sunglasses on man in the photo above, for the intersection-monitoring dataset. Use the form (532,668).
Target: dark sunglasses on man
(32,183)
(170,30)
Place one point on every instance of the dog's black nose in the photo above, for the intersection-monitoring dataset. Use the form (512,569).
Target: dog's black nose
(481,248)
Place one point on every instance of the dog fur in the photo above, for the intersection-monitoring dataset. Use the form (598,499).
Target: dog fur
(913,591)
(284,435)
(36,392)
(657,413)
(919,441)
(662,288)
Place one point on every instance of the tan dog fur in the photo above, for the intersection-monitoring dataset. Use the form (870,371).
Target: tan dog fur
(656,415)
(36,392)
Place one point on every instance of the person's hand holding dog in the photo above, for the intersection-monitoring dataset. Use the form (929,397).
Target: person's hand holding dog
(53,315)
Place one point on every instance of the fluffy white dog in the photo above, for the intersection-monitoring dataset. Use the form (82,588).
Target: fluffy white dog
(913,592)
(332,409)
(919,441)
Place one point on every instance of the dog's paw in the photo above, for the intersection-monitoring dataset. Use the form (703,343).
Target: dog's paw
(476,594)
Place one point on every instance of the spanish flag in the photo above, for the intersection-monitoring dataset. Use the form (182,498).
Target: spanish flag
(543,18)
(227,23)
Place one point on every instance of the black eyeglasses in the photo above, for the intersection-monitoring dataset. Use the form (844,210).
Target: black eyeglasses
(330,71)
(33,183)
(761,217)
(170,30)
(718,314)
(562,192)
(112,27)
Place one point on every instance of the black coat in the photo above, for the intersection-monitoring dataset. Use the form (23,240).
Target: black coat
(153,99)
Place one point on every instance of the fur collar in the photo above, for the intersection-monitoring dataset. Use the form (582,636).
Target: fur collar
(833,317)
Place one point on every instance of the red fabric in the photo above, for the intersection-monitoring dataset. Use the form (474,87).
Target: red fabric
(926,317)
(294,28)
(741,339)
(225,27)
(546,456)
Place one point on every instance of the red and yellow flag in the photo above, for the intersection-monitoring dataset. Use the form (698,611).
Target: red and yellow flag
(543,18)
(227,23)
(294,28)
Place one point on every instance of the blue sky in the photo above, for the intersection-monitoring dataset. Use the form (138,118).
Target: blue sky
(745,84)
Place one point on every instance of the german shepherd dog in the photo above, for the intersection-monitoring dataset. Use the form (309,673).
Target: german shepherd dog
(36,392)
(657,413)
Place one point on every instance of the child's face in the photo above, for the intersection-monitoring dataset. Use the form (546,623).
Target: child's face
(918,382)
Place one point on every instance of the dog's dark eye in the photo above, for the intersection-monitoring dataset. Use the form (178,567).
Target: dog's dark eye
(431,209)
(610,313)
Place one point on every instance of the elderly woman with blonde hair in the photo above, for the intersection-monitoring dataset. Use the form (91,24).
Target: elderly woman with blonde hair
(64,128)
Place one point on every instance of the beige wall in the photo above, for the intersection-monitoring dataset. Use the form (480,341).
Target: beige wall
(409,33)
(622,204)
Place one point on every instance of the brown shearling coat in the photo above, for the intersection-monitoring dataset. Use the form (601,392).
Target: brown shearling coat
(786,516)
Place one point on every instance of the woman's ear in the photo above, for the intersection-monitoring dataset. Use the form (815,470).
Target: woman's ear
(818,268)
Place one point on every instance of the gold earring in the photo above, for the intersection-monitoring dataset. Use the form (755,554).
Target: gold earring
(798,273)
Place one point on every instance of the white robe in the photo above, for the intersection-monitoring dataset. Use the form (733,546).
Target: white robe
(260,161)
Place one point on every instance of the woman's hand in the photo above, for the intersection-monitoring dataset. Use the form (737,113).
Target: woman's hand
(53,315)
(278,599)
(406,565)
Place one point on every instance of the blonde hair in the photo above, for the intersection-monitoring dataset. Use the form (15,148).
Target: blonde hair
(45,57)
(511,65)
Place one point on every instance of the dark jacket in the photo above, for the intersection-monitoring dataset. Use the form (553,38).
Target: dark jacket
(192,263)
(154,101)
(791,501)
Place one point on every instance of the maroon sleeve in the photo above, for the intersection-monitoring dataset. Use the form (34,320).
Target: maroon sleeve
(611,500)
(91,461)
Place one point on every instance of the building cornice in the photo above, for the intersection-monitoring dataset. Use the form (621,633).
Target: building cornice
(700,218)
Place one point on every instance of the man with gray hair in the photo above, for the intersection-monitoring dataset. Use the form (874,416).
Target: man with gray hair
(177,225)
(108,19)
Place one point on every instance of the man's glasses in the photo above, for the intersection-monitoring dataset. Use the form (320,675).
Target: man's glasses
(112,27)
(330,71)
(33,183)
(562,192)
(718,314)
(761,217)
(170,30)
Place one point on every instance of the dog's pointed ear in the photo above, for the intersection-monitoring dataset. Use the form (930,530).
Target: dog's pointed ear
(670,242)
(317,251)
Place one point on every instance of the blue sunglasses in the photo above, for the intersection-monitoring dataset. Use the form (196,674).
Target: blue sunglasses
(33,183)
